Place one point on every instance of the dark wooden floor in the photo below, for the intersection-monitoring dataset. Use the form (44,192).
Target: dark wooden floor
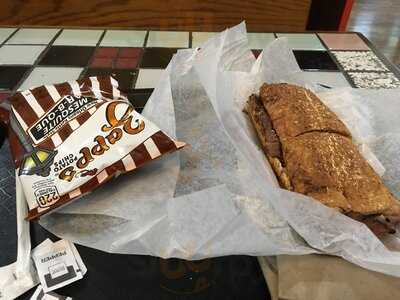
(379,21)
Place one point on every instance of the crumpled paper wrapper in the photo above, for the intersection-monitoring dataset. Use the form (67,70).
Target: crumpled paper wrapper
(219,196)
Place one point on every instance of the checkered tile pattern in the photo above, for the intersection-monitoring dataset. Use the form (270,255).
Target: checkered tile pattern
(32,56)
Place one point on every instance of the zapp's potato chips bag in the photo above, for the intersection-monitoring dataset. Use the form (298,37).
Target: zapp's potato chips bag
(69,138)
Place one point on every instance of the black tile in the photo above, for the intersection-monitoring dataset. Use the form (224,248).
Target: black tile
(7,183)
(11,75)
(126,78)
(8,235)
(139,97)
(228,277)
(8,224)
(314,60)
(143,91)
(67,56)
(157,57)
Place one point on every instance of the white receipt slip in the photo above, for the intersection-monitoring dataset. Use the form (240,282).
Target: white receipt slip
(58,264)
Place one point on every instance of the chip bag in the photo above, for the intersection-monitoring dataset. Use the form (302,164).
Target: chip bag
(67,139)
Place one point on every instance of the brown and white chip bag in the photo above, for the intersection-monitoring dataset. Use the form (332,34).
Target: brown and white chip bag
(69,138)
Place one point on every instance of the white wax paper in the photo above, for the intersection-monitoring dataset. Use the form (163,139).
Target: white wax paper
(219,196)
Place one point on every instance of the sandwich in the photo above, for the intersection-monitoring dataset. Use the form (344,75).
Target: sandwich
(312,152)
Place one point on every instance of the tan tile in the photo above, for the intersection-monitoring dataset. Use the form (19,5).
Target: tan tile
(343,41)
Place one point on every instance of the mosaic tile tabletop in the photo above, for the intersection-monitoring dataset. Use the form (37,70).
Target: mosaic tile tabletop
(29,57)
(34,56)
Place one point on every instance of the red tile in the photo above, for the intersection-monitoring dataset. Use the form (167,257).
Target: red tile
(256,53)
(99,62)
(126,63)
(4,96)
(3,112)
(130,52)
(106,52)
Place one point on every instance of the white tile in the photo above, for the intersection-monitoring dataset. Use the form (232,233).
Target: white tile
(303,41)
(46,75)
(148,78)
(375,80)
(75,37)
(20,55)
(331,79)
(359,61)
(123,38)
(5,33)
(168,39)
(259,40)
(199,38)
(33,36)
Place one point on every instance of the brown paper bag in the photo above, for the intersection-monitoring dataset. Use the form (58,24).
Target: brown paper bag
(269,268)
(324,277)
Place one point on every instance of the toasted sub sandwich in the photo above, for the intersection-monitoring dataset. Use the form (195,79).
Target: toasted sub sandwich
(312,152)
